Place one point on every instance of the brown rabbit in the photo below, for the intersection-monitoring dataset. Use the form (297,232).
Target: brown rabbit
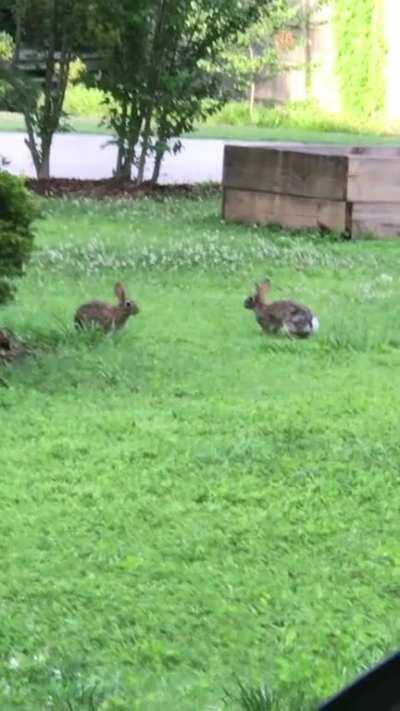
(106,316)
(288,316)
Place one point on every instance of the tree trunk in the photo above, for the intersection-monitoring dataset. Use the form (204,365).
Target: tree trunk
(120,127)
(128,133)
(40,149)
(152,86)
(252,92)
(40,140)
(120,159)
(43,172)
(124,171)
(17,45)
(308,49)
(252,99)
(43,120)
(30,142)
(125,159)
(145,148)
(159,157)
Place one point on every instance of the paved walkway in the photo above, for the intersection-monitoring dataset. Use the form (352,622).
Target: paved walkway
(89,156)
(79,155)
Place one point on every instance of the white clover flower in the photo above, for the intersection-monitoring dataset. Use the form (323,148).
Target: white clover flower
(386,278)
(13,663)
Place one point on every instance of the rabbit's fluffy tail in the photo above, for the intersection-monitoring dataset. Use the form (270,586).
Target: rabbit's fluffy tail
(315,323)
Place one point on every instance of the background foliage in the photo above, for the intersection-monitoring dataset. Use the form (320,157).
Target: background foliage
(360,55)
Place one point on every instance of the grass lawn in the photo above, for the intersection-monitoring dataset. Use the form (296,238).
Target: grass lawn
(14,122)
(190,504)
(255,133)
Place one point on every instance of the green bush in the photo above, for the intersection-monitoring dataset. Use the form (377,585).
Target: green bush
(80,100)
(361,55)
(6,52)
(84,102)
(6,46)
(234,113)
(18,209)
(294,115)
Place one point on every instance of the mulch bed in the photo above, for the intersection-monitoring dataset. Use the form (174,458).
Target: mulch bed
(111,188)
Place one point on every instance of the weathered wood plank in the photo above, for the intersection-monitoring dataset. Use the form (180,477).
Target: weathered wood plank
(330,148)
(374,151)
(374,180)
(286,210)
(286,172)
(380,219)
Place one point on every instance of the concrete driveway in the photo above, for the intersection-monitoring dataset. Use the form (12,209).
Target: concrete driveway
(89,156)
(79,155)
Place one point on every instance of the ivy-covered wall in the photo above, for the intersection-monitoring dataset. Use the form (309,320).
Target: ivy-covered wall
(361,53)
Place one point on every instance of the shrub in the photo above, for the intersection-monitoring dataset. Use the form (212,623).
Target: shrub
(6,46)
(6,52)
(80,100)
(18,209)
(296,115)
(361,51)
(84,102)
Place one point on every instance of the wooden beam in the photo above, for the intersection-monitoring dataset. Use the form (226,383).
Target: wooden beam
(258,207)
(374,180)
(380,219)
(286,172)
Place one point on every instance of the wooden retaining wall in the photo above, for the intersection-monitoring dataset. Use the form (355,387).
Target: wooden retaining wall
(343,189)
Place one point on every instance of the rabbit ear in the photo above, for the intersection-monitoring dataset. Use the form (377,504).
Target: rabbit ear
(264,287)
(119,292)
(261,290)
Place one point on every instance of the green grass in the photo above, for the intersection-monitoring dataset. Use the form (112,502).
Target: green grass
(14,122)
(256,133)
(196,516)
(301,120)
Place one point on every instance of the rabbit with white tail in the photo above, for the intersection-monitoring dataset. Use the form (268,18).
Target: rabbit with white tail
(106,316)
(281,316)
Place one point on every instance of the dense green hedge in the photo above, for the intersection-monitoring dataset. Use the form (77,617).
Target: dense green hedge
(361,55)
(18,209)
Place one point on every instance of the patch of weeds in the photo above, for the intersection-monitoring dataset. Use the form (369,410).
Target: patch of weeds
(262,698)
(249,698)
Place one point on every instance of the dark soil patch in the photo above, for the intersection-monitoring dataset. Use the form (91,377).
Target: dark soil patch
(100,189)
(11,347)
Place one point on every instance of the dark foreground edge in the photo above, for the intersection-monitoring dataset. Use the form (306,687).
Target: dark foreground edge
(376,690)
